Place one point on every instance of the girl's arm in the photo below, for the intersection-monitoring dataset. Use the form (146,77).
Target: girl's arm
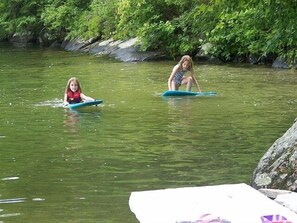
(170,79)
(65,102)
(195,80)
(86,98)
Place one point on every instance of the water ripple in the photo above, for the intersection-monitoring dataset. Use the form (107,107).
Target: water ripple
(12,200)
(55,103)
(10,178)
(9,215)
(38,199)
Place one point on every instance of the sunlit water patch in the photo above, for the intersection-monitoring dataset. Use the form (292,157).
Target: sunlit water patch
(12,200)
(10,178)
(55,103)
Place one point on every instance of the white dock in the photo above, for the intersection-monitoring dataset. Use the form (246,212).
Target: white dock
(230,203)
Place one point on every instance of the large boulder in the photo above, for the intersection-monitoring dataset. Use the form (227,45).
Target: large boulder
(278,167)
(126,51)
(75,45)
(282,63)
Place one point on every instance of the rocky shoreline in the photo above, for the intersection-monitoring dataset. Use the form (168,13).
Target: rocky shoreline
(129,51)
(125,51)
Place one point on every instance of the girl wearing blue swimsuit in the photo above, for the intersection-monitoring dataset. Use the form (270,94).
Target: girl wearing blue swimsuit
(177,77)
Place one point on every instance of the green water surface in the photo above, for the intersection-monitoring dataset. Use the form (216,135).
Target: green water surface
(59,165)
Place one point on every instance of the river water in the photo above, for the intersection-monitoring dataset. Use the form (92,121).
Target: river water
(81,166)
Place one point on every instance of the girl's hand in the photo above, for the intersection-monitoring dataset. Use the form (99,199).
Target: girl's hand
(65,104)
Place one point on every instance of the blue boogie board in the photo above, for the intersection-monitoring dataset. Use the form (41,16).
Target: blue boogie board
(188,93)
(85,104)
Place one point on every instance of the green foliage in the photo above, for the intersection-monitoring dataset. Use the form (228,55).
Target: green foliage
(59,17)
(264,28)
(164,25)
(97,20)
(19,17)
(267,29)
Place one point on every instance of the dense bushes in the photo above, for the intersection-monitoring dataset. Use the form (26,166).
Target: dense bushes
(264,28)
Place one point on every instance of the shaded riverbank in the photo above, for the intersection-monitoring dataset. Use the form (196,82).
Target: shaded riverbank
(130,51)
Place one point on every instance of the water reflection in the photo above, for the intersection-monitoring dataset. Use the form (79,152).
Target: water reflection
(175,102)
(10,178)
(71,120)
(8,215)
(180,111)
(76,118)
(180,122)
(3,213)
(12,200)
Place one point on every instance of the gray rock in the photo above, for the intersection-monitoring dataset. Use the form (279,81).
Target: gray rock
(204,52)
(280,63)
(126,51)
(75,45)
(278,167)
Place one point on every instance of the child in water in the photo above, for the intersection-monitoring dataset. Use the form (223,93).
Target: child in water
(73,93)
(177,77)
